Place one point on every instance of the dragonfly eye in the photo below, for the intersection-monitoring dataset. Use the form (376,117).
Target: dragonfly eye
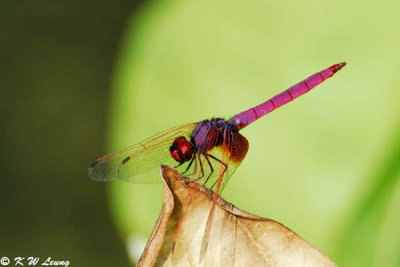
(181,149)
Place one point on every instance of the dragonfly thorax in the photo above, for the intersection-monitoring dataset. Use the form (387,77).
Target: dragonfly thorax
(210,133)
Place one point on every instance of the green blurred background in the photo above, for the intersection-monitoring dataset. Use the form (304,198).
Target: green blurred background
(80,79)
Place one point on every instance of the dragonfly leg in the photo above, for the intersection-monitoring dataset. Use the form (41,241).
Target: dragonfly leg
(178,165)
(197,157)
(201,168)
(223,163)
(211,168)
(190,164)
(194,159)
(195,165)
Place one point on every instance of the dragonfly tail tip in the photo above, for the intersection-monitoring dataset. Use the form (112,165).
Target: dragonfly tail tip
(335,68)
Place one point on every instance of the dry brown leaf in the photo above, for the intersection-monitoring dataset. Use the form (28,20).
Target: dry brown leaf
(237,238)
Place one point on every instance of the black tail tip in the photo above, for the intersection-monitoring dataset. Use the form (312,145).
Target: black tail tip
(341,65)
(335,68)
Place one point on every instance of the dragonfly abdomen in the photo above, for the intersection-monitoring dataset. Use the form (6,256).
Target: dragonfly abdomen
(245,118)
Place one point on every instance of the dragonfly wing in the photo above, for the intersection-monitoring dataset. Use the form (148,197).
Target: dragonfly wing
(144,167)
(106,167)
(140,163)
(236,151)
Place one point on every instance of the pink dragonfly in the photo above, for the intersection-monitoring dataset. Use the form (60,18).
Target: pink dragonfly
(197,148)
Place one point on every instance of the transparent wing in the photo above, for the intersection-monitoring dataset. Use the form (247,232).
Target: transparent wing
(140,163)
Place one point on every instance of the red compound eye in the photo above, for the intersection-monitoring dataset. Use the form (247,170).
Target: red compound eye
(181,149)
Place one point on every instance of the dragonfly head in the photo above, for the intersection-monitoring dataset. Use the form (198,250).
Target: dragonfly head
(181,149)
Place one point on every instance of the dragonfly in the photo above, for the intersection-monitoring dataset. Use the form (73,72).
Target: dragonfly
(208,151)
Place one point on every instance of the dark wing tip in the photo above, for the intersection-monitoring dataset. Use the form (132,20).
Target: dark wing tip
(93,172)
(94,163)
(126,160)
